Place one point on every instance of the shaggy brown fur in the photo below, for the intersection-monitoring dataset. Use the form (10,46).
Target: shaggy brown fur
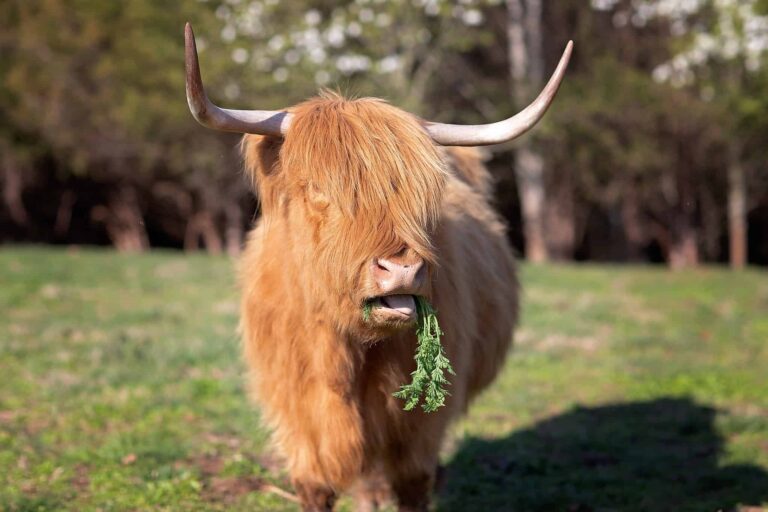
(351,181)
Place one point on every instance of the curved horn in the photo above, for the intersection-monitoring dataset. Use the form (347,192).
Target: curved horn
(502,131)
(262,122)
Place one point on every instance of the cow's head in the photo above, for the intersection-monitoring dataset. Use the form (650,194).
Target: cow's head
(354,189)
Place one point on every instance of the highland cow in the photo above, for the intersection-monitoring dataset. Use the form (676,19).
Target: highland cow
(361,203)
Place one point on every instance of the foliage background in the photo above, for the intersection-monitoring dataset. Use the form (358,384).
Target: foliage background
(662,98)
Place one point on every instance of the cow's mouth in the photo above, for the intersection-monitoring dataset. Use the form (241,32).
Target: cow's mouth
(394,308)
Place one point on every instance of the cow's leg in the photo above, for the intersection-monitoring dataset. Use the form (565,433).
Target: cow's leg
(411,461)
(371,492)
(412,490)
(323,445)
(315,497)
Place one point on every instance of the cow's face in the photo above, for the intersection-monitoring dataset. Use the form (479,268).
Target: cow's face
(357,186)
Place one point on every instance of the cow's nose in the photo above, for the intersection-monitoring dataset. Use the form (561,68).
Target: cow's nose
(403,273)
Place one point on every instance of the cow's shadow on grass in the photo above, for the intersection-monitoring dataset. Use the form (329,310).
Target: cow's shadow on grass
(659,455)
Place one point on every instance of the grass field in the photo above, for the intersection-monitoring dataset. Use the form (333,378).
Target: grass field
(630,388)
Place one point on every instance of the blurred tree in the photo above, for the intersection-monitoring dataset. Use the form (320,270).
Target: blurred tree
(526,70)
(648,154)
(350,45)
(97,145)
(96,90)
(723,60)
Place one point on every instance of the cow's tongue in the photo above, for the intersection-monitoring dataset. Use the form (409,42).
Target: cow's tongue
(404,304)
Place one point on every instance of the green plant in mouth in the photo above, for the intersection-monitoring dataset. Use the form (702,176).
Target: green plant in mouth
(367,308)
(431,363)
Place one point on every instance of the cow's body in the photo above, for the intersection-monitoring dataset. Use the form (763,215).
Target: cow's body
(325,383)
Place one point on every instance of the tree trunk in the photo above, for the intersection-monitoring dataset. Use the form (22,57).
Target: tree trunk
(192,235)
(737,214)
(13,187)
(711,224)
(560,218)
(529,171)
(631,219)
(234,233)
(211,237)
(64,214)
(526,69)
(683,245)
(201,226)
(124,221)
(559,225)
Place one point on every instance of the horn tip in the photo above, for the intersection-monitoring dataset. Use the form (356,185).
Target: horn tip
(567,53)
(188,33)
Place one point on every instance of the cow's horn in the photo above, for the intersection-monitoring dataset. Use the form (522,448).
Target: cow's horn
(503,131)
(262,122)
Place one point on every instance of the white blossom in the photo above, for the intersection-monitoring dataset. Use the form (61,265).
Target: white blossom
(604,5)
(292,57)
(335,35)
(354,29)
(351,63)
(280,75)
(742,33)
(276,42)
(317,55)
(365,15)
(232,91)
(472,17)
(223,12)
(312,17)
(228,33)
(240,55)
(383,19)
(322,77)
(389,64)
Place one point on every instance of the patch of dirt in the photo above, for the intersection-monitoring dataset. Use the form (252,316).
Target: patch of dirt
(228,489)
(58,379)
(50,291)
(748,410)
(209,465)
(270,461)
(526,338)
(226,308)
(34,426)
(218,439)
(171,269)
(81,481)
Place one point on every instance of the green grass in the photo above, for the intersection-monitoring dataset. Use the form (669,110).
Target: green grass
(630,388)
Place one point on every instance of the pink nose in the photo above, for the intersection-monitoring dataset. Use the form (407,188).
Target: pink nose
(403,273)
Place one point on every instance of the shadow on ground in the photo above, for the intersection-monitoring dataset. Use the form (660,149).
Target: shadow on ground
(657,455)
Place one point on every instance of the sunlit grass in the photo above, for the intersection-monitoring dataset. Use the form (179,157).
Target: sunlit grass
(630,388)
